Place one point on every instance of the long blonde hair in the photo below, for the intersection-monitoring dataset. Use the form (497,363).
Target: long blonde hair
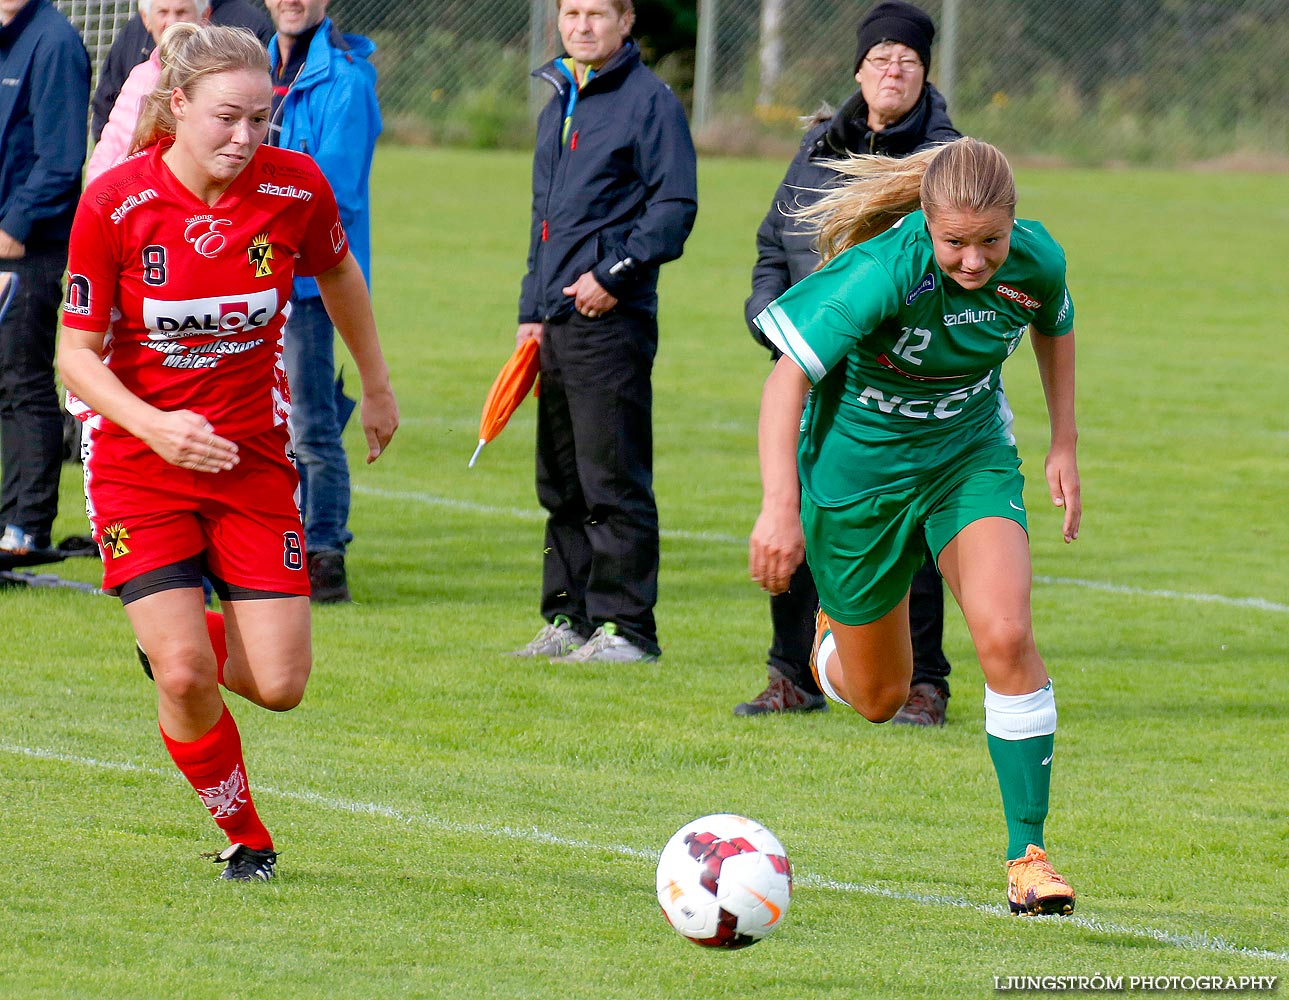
(189,53)
(966,174)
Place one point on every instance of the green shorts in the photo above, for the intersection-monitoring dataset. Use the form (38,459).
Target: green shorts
(863,556)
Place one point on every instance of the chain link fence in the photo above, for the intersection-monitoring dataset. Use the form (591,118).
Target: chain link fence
(1082,81)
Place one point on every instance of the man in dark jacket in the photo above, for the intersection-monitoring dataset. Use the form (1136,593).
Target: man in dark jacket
(44,97)
(134,43)
(614,198)
(895,112)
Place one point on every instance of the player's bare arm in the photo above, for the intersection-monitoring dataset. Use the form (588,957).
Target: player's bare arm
(181,437)
(777,545)
(1055,357)
(344,293)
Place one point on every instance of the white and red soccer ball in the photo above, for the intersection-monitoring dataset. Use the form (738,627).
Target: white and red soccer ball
(724,881)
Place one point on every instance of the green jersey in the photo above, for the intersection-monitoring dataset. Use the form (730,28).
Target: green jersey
(904,363)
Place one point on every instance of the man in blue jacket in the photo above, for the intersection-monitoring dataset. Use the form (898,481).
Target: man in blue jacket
(324,104)
(614,198)
(44,102)
(895,112)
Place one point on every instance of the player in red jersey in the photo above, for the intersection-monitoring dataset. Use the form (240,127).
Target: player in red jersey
(179,277)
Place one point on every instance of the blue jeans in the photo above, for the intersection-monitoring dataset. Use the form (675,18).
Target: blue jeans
(318,415)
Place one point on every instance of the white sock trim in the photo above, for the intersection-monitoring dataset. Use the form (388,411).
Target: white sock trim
(826,649)
(1020,716)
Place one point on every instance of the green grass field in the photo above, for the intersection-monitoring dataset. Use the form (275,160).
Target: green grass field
(457,824)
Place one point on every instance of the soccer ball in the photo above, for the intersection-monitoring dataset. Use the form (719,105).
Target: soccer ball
(724,881)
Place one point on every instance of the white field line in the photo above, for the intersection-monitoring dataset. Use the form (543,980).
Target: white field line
(1201,941)
(535,514)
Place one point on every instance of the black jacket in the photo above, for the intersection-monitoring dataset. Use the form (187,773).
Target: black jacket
(784,253)
(133,44)
(618,198)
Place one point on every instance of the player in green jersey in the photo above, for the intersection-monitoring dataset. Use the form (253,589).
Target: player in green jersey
(906,440)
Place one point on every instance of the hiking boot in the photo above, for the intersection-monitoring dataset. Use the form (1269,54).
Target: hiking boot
(327,580)
(245,864)
(925,707)
(606,646)
(782,695)
(1033,887)
(559,638)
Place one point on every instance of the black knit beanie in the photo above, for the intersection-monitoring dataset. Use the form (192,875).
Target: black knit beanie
(896,21)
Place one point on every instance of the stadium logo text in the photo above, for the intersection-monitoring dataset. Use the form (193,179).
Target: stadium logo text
(220,316)
(1019,297)
(131,203)
(943,408)
(289,191)
(203,233)
(968,316)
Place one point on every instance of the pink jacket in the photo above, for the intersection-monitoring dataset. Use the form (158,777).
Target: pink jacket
(115,142)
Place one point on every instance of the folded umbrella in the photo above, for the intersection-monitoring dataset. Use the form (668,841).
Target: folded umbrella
(508,390)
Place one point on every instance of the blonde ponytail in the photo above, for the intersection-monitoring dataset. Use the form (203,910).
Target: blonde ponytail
(964,174)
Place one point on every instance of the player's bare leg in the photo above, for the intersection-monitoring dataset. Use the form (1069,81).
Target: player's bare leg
(270,653)
(987,567)
(872,665)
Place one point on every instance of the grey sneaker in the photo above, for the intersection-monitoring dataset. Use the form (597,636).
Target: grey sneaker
(606,646)
(559,638)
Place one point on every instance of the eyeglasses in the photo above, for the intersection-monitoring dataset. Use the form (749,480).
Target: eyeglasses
(883,63)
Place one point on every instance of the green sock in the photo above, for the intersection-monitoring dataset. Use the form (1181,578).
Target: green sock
(1024,769)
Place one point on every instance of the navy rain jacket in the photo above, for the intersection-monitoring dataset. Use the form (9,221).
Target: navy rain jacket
(618,198)
(44,100)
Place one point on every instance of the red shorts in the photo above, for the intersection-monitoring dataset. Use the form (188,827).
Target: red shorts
(147,513)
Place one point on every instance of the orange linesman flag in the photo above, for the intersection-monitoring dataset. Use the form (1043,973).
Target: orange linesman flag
(510,388)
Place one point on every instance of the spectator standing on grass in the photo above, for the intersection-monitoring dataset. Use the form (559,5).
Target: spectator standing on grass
(614,198)
(324,104)
(44,98)
(134,43)
(118,134)
(895,112)
(190,259)
(906,444)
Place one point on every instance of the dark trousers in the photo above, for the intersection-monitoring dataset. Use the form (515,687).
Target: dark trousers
(31,425)
(793,615)
(595,473)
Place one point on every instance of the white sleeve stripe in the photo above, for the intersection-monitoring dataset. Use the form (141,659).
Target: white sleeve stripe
(776,325)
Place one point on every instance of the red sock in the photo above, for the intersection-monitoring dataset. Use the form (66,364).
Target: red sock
(214,767)
(215,629)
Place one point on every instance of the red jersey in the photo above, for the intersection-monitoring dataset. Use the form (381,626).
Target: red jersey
(196,295)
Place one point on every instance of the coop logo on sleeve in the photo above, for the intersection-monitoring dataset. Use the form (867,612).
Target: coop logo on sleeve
(203,232)
(221,316)
(1020,298)
(337,237)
